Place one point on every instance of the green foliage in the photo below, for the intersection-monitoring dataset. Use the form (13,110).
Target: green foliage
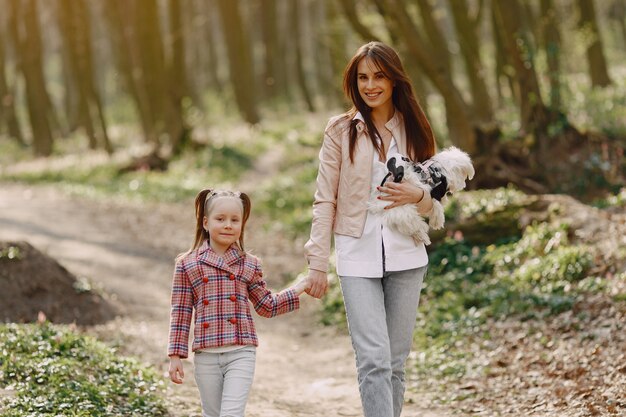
(530,276)
(468,205)
(287,198)
(539,274)
(598,109)
(617,200)
(10,253)
(217,165)
(55,371)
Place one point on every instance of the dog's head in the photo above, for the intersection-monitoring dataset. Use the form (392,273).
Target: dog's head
(396,171)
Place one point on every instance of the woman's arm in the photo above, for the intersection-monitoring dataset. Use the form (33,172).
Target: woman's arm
(317,249)
(400,193)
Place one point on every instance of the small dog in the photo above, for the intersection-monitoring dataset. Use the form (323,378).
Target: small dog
(443,174)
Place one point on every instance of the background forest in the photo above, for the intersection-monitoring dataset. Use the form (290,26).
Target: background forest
(144,102)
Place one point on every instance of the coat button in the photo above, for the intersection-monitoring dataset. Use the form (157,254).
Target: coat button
(231,277)
(233,297)
(205,279)
(205,325)
(233,320)
(206,302)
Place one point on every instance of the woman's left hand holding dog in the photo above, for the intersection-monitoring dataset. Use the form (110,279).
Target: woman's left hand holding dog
(400,193)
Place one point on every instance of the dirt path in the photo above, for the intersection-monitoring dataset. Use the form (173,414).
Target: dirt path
(127,250)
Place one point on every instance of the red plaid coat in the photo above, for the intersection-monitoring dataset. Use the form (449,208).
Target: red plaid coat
(218,288)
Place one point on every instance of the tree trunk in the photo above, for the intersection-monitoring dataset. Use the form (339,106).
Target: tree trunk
(439,44)
(458,115)
(7,101)
(211,29)
(75,29)
(595,51)
(296,34)
(175,126)
(269,29)
(29,55)
(350,12)
(178,50)
(518,48)
(552,47)
(150,60)
(239,60)
(467,34)
(120,22)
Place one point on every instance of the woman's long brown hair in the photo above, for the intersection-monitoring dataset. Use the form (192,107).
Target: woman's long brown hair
(419,135)
(203,208)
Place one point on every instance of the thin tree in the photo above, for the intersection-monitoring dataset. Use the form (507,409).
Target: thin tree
(551,40)
(458,114)
(595,51)
(239,60)
(122,35)
(7,100)
(467,35)
(75,27)
(296,33)
(26,39)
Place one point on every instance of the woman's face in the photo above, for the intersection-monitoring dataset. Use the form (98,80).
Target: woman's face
(374,86)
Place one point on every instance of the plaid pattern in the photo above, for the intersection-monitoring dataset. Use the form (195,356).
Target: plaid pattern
(218,288)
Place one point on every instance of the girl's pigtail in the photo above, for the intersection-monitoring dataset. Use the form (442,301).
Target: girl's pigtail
(201,234)
(247,204)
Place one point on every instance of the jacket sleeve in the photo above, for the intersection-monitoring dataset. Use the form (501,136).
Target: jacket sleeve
(317,249)
(267,304)
(181,312)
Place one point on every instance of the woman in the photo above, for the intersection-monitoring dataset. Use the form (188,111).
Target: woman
(381,270)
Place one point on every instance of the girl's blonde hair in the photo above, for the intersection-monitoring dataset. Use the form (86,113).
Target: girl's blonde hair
(204,202)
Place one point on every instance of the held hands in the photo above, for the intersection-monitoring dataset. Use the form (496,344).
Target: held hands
(400,193)
(301,286)
(176,370)
(318,283)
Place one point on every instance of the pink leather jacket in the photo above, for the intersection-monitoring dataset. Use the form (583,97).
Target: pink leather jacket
(343,187)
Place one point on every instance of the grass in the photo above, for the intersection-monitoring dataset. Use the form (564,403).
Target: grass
(52,370)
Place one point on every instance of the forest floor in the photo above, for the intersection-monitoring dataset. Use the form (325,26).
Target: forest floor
(125,250)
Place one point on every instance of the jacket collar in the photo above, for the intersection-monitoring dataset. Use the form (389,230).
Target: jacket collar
(395,126)
(207,255)
(391,123)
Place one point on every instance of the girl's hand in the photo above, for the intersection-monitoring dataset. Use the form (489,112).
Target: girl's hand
(301,286)
(176,370)
(400,193)
(318,282)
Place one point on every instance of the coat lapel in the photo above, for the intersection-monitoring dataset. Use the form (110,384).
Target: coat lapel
(208,256)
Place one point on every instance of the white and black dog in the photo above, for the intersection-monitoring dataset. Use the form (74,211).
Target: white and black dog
(443,174)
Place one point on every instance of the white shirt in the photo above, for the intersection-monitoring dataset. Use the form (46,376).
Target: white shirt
(363,256)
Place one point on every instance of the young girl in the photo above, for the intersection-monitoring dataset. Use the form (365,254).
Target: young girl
(216,278)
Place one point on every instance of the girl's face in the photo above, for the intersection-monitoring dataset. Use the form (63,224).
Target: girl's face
(374,86)
(224,223)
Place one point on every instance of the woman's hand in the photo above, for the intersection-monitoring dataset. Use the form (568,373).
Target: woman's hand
(318,282)
(400,193)
(176,370)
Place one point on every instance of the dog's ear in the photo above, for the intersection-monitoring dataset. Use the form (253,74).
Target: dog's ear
(396,171)
(440,189)
(399,174)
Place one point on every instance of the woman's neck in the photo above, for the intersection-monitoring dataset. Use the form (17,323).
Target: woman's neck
(381,115)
